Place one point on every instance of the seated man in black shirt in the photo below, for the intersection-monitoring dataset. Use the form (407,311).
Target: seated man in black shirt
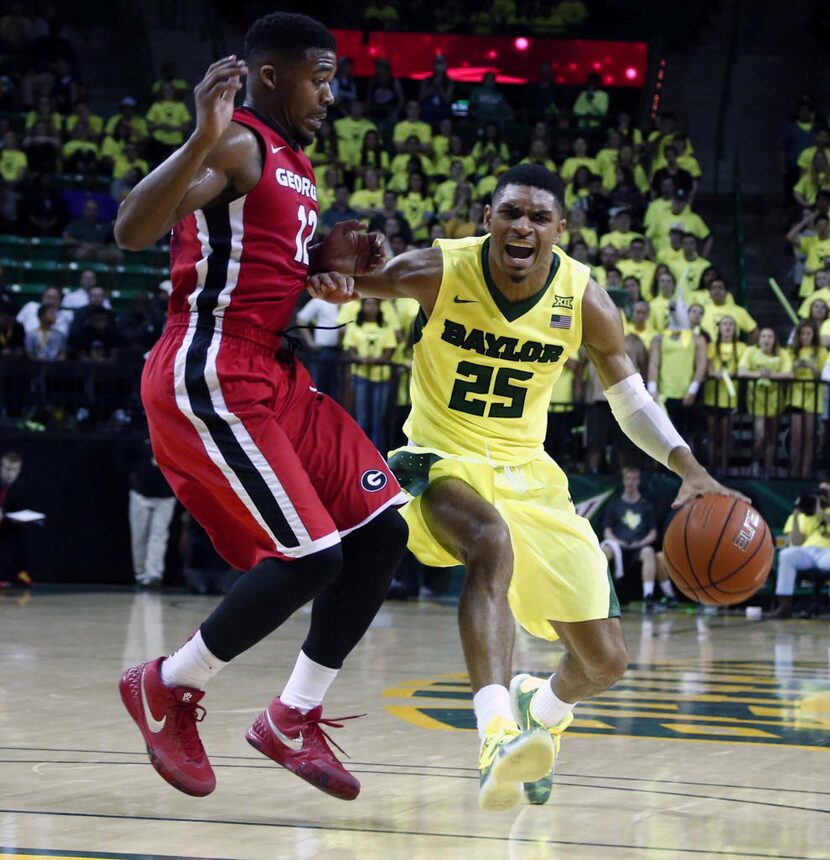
(629,537)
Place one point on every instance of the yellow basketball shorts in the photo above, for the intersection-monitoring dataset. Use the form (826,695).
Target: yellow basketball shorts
(559,574)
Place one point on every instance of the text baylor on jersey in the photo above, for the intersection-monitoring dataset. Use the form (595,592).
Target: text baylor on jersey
(495,346)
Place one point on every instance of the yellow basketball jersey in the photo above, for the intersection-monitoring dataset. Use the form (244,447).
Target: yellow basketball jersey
(484,367)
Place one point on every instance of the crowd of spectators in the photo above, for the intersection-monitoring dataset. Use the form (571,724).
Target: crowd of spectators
(419,161)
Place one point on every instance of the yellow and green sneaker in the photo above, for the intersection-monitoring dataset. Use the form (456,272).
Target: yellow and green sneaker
(508,758)
(522,689)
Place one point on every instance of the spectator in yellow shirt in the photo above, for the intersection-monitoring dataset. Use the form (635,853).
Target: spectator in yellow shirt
(806,397)
(579,187)
(128,171)
(606,158)
(639,267)
(720,393)
(680,215)
(326,148)
(369,343)
(640,323)
(664,302)
(622,235)
(467,225)
(81,113)
(13,161)
(580,158)
(674,250)
(489,146)
(538,154)
(445,191)
(626,159)
(814,180)
(80,152)
(630,134)
(591,105)
(688,268)
(168,120)
(721,303)
(820,315)
(578,229)
(766,366)
(412,155)
(45,112)
(822,144)
(169,75)
(351,130)
(608,256)
(822,292)
(816,249)
(455,151)
(661,205)
(127,113)
(373,156)
(412,125)
(368,200)
(417,206)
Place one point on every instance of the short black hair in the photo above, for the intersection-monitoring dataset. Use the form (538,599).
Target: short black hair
(534,175)
(287,33)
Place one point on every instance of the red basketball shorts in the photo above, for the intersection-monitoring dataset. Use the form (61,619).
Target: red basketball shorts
(269,466)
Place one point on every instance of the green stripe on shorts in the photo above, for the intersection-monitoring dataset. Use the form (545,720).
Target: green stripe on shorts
(412,470)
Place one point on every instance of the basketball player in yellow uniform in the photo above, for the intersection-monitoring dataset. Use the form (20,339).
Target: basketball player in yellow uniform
(501,314)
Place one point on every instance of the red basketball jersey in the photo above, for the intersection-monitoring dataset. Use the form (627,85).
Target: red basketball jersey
(248,259)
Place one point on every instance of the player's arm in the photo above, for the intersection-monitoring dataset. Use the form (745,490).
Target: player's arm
(639,417)
(701,363)
(414,275)
(218,158)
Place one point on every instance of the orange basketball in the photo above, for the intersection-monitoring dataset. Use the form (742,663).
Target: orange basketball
(718,550)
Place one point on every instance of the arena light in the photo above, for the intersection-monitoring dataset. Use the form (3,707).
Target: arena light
(631,73)
(521,43)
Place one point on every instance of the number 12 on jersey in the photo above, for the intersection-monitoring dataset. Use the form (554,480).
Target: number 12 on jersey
(477,379)
(307,220)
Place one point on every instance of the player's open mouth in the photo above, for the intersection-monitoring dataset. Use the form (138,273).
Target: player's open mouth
(519,250)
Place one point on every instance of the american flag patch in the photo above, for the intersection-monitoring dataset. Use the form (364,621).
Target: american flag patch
(560,321)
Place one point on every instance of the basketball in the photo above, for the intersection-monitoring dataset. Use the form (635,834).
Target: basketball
(718,550)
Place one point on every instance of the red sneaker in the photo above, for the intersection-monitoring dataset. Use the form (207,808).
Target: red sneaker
(167,717)
(298,742)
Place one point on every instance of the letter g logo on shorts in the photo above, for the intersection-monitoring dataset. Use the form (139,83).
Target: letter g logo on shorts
(373,480)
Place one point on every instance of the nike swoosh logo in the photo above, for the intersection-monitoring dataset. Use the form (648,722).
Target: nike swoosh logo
(459,301)
(154,725)
(292,743)
(276,149)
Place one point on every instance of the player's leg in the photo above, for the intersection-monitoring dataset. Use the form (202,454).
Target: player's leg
(360,494)
(473,531)
(228,461)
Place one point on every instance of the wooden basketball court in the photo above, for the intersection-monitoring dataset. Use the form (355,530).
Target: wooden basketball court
(716,744)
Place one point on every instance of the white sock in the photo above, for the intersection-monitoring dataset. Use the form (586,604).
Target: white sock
(193,665)
(667,588)
(648,589)
(547,707)
(489,702)
(308,684)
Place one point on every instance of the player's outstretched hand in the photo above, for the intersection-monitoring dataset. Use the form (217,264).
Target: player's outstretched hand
(214,96)
(332,287)
(699,482)
(349,249)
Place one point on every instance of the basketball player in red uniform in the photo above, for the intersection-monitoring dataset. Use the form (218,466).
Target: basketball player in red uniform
(288,487)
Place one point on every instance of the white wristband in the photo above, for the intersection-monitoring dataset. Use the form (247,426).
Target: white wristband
(652,387)
(694,387)
(642,420)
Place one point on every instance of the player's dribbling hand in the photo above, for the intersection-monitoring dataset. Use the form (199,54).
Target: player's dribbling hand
(699,482)
(332,287)
(214,96)
(349,249)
